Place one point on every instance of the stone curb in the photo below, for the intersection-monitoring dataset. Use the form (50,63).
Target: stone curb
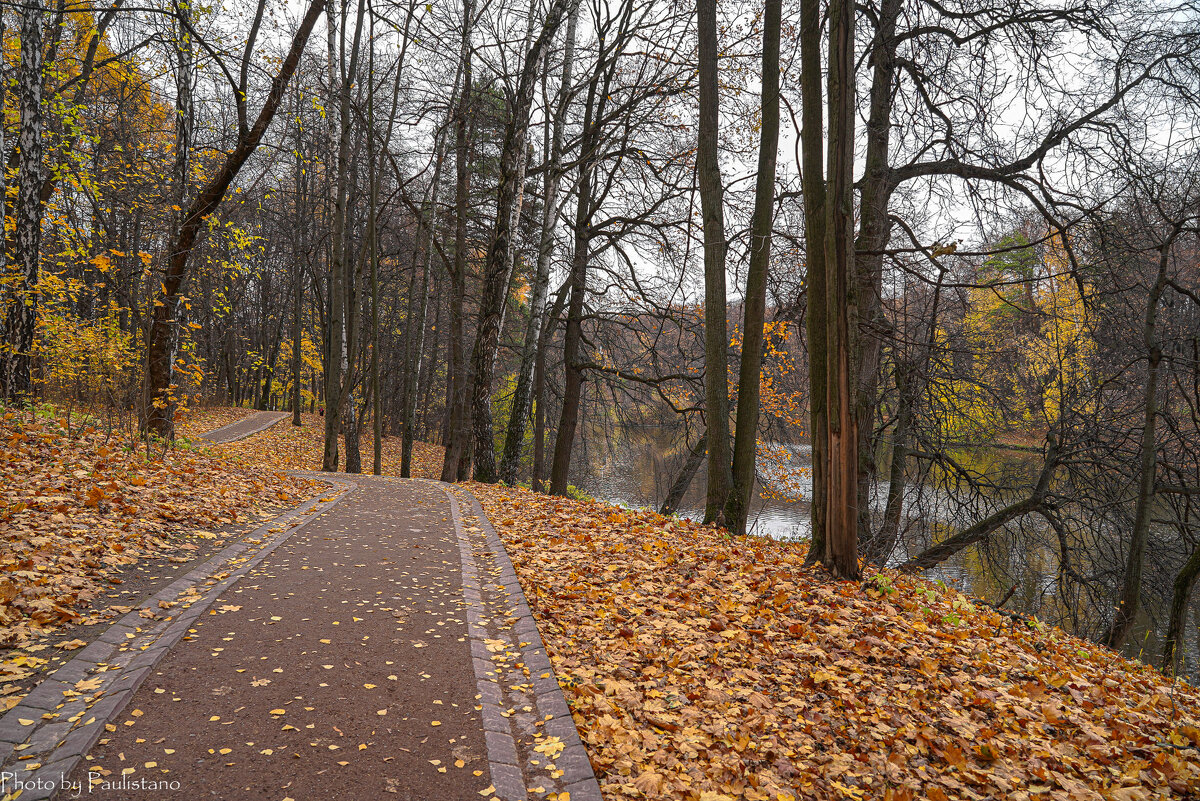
(57,740)
(549,702)
(264,420)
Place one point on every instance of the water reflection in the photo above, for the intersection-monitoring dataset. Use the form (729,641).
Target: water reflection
(637,469)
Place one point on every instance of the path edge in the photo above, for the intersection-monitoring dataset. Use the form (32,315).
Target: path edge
(509,779)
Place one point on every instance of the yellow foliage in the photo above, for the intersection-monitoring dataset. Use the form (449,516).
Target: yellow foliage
(1028,329)
(84,357)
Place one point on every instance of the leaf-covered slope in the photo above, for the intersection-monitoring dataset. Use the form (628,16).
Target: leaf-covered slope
(708,669)
(73,508)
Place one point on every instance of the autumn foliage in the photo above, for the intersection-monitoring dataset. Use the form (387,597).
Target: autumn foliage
(704,668)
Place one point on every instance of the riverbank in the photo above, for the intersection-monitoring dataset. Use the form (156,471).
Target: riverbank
(701,667)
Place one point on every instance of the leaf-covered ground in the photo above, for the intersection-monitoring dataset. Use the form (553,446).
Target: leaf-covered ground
(285,447)
(75,509)
(710,669)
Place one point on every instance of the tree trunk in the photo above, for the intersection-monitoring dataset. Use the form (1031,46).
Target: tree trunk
(456,379)
(716,333)
(498,271)
(875,226)
(162,337)
(813,183)
(298,274)
(428,370)
(416,322)
(746,431)
(691,465)
(352,369)
(266,393)
(539,392)
(515,435)
(1185,580)
(564,438)
(5,299)
(339,145)
(1131,584)
(883,544)
(841,538)
(67,139)
(22,314)
(909,388)
(373,257)
(342,411)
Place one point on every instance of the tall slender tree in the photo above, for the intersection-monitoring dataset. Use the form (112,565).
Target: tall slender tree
(499,265)
(835,542)
(750,372)
(564,438)
(551,178)
(456,381)
(716,333)
(162,335)
(812,136)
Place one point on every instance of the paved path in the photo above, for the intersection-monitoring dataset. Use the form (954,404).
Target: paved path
(248,425)
(376,646)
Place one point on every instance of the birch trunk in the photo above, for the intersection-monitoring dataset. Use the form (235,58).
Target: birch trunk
(22,313)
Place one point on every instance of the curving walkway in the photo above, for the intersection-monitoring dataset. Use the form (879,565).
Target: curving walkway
(249,425)
(375,645)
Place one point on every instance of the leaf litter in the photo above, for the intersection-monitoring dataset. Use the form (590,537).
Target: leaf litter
(703,668)
(706,668)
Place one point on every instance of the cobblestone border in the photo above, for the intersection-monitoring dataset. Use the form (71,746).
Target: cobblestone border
(512,736)
(122,657)
(232,432)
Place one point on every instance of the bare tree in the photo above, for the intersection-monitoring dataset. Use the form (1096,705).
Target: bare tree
(162,332)
(745,448)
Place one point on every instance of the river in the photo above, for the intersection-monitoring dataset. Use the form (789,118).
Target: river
(637,469)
